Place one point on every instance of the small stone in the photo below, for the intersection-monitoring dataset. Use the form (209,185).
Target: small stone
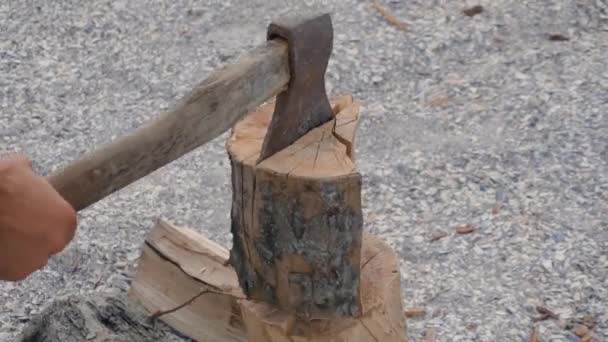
(121,264)
(573,338)
(133,255)
(430,334)
(580,330)
(557,37)
(473,11)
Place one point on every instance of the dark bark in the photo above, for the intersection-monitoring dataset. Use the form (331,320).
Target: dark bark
(97,318)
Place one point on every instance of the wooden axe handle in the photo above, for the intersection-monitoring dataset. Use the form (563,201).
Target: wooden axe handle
(211,109)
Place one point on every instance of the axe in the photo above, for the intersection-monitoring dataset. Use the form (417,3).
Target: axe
(291,64)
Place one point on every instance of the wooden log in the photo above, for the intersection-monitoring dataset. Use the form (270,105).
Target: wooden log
(169,275)
(96,317)
(296,216)
(199,117)
(382,310)
(177,267)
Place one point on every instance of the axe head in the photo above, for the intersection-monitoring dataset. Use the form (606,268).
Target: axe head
(304,105)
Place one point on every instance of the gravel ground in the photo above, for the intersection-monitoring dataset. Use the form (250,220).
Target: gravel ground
(481,121)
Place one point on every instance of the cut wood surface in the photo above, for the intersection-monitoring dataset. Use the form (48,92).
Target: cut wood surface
(296,216)
(176,265)
(199,117)
(169,274)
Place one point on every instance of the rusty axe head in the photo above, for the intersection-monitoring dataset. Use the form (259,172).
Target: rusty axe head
(304,104)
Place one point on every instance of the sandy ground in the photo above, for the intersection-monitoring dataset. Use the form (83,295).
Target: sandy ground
(497,121)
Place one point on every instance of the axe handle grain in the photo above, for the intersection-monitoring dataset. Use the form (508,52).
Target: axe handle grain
(211,109)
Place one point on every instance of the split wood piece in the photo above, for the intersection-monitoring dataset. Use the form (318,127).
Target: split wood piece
(176,265)
(169,274)
(296,216)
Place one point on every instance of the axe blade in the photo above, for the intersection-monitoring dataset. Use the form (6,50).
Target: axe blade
(304,105)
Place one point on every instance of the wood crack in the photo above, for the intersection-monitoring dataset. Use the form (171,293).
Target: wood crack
(368,331)
(346,123)
(160,313)
(314,164)
(370,259)
(342,140)
(178,265)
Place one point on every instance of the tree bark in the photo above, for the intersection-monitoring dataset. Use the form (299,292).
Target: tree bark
(296,216)
(107,317)
(382,311)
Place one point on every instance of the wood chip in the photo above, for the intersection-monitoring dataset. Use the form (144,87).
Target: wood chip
(414,312)
(534,336)
(588,321)
(546,312)
(495,210)
(556,37)
(438,235)
(542,318)
(473,11)
(466,229)
(439,101)
(393,20)
(581,330)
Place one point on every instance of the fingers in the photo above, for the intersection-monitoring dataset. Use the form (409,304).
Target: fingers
(15,159)
(59,227)
(20,260)
(25,270)
(35,221)
(64,230)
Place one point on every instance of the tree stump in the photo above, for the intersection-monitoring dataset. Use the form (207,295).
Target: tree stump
(177,263)
(382,311)
(296,216)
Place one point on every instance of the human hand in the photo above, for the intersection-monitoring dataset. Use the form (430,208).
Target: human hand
(35,221)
